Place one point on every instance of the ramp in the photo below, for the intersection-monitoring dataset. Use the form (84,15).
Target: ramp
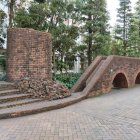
(93,73)
(88,74)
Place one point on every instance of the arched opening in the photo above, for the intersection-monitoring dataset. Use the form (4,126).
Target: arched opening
(137,81)
(120,81)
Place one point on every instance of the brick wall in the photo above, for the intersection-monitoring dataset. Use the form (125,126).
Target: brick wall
(107,72)
(29,54)
(119,71)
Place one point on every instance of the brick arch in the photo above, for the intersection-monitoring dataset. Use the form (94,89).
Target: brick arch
(120,80)
(137,78)
(104,71)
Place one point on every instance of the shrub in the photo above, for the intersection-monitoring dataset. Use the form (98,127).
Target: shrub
(3,61)
(2,77)
(69,79)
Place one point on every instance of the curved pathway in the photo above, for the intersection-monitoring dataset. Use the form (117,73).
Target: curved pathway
(114,116)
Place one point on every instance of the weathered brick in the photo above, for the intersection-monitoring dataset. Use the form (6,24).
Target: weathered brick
(106,72)
(29,54)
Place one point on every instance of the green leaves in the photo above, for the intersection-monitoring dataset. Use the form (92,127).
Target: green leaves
(67,21)
(69,79)
(134,33)
(3,62)
(127,33)
(94,28)
(33,17)
(123,22)
(2,34)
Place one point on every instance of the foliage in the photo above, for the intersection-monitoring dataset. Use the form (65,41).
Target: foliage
(80,28)
(2,33)
(63,20)
(2,77)
(3,65)
(40,1)
(134,32)
(3,62)
(123,23)
(56,17)
(94,28)
(69,79)
(33,17)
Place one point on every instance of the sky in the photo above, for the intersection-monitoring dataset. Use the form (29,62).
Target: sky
(112,6)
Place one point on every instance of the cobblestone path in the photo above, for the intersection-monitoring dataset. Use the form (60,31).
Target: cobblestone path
(114,116)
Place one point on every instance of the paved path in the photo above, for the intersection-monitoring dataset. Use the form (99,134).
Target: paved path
(114,116)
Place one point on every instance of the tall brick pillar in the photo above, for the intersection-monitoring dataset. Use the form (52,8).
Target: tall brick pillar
(29,54)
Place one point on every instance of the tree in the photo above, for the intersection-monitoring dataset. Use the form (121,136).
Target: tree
(10,4)
(63,30)
(13,6)
(56,17)
(123,23)
(137,12)
(94,26)
(11,12)
(33,17)
(115,42)
(134,32)
(40,1)
(65,20)
(2,33)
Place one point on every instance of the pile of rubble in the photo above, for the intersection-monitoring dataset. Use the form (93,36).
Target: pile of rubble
(45,89)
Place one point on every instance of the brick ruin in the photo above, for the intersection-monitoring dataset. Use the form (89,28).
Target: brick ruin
(109,72)
(29,54)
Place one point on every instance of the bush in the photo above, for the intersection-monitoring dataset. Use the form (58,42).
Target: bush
(69,79)
(2,77)
(3,62)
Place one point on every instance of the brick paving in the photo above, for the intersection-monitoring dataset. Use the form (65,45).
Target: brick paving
(114,116)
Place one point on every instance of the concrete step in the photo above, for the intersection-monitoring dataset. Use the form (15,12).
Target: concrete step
(41,106)
(6,86)
(14,97)
(8,92)
(18,103)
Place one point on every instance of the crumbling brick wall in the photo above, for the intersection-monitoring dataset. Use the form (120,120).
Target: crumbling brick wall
(29,54)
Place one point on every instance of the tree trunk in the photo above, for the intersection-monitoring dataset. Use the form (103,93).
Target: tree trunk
(61,65)
(89,52)
(54,64)
(11,12)
(139,28)
(82,60)
(124,31)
